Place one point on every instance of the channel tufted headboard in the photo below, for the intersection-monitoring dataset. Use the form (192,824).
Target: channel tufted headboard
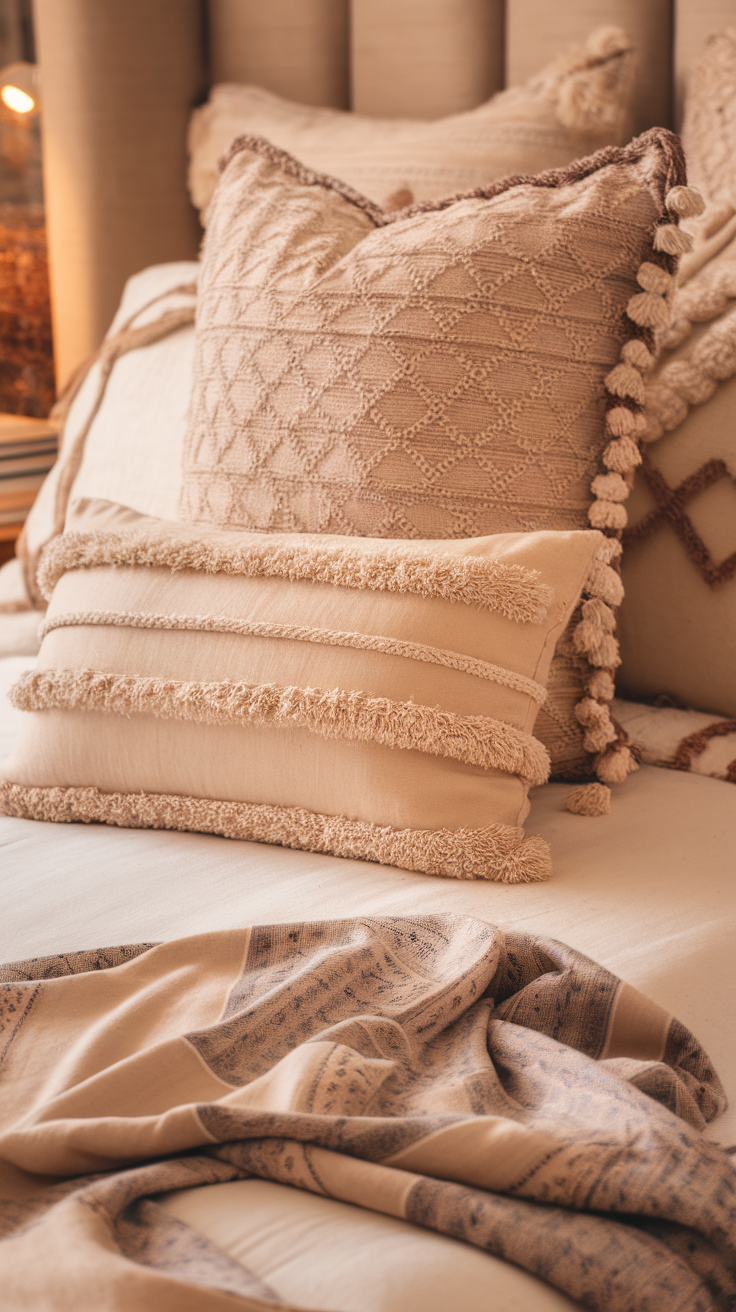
(120,78)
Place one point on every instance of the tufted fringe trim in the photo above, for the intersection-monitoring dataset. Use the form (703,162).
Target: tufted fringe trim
(589,799)
(418,651)
(472,739)
(515,592)
(496,852)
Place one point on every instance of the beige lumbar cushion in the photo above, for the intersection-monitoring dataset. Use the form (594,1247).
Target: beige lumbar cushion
(577,104)
(459,369)
(369,698)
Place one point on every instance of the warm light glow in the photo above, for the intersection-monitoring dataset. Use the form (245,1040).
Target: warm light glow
(17,100)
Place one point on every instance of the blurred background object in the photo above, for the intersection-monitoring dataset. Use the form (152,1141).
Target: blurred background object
(26,353)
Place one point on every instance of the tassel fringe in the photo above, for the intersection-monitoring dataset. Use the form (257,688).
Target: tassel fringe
(589,799)
(594,637)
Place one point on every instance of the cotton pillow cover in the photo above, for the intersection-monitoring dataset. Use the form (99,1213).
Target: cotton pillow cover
(124,413)
(438,373)
(577,104)
(369,698)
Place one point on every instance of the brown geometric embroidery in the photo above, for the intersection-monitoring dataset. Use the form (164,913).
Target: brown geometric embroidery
(670,509)
(696,743)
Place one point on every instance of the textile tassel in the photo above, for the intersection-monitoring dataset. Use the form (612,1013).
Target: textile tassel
(626,381)
(599,727)
(649,310)
(589,799)
(607,514)
(615,764)
(605,583)
(621,422)
(596,626)
(671,240)
(609,487)
(609,550)
(635,352)
(622,455)
(685,202)
(654,279)
(601,686)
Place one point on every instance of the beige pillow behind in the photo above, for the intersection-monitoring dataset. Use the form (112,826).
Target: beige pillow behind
(578,103)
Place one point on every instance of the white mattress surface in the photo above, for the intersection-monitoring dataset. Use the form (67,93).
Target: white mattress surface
(649,891)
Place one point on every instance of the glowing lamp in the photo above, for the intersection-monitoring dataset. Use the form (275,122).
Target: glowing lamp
(19,88)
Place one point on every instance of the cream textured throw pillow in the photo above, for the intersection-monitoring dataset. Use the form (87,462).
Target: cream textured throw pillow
(577,104)
(459,369)
(368,698)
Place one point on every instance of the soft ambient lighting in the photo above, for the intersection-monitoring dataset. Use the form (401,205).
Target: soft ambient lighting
(19,90)
(17,100)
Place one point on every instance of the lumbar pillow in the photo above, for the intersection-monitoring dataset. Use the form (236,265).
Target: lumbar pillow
(461,368)
(369,698)
(577,104)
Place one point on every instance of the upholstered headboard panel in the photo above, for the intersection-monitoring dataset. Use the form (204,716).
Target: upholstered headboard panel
(120,77)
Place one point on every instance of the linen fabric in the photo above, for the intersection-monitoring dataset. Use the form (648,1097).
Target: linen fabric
(361,696)
(579,102)
(357,1060)
(439,373)
(125,423)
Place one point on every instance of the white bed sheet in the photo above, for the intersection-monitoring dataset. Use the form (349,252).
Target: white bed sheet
(649,891)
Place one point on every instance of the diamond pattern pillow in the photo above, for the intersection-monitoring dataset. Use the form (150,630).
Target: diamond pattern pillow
(443,372)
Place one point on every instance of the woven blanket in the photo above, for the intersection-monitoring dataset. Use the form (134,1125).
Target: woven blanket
(497,1088)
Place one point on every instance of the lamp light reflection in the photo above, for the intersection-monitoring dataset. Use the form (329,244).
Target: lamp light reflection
(17,100)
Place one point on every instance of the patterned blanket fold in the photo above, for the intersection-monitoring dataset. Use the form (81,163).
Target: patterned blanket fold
(497,1088)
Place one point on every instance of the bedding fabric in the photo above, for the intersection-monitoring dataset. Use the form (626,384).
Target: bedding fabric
(358,696)
(578,103)
(495,1087)
(441,373)
(647,890)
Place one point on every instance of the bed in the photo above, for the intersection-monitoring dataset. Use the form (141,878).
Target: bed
(647,891)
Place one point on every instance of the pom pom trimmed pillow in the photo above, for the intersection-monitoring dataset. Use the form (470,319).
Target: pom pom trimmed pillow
(459,369)
(367,698)
(578,103)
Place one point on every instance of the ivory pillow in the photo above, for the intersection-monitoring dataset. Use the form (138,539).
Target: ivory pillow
(577,104)
(442,372)
(125,413)
(369,698)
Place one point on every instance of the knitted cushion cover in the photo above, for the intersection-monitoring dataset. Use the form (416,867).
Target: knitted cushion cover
(578,103)
(369,698)
(458,369)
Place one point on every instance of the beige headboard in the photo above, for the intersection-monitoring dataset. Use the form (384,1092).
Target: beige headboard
(120,77)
